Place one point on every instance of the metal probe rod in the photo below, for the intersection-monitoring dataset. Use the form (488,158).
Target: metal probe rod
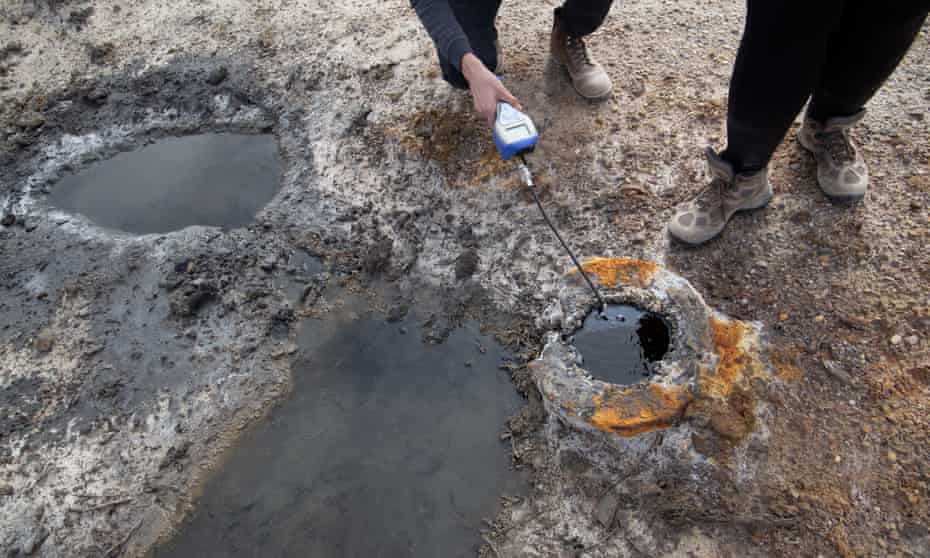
(528,181)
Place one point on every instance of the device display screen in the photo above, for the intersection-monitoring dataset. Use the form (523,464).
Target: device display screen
(519,132)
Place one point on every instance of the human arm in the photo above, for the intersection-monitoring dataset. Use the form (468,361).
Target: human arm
(486,88)
(440,22)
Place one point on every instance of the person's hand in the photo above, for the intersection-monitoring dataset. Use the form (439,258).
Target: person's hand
(486,89)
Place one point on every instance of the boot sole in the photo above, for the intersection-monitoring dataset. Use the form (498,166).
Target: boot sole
(844,201)
(742,210)
(564,67)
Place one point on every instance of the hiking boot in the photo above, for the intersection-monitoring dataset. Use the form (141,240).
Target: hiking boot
(704,217)
(841,172)
(588,77)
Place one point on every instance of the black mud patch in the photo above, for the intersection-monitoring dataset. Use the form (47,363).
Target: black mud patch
(219,180)
(623,348)
(19,403)
(388,446)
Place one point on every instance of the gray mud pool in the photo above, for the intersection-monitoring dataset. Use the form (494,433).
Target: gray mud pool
(388,447)
(219,180)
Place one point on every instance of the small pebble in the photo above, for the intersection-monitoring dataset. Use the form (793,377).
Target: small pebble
(217,76)
(35,542)
(895,339)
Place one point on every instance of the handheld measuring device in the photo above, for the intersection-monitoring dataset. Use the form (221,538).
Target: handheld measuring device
(514,132)
(515,135)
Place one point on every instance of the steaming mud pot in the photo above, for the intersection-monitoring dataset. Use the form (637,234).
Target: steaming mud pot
(209,179)
(388,446)
(623,348)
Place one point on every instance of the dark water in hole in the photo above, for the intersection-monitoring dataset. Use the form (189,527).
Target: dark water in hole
(388,447)
(217,180)
(623,348)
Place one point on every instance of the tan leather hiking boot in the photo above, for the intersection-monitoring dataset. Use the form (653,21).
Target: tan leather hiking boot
(841,171)
(704,217)
(589,78)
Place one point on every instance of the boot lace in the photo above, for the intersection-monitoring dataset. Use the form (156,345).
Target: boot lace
(577,51)
(837,144)
(712,196)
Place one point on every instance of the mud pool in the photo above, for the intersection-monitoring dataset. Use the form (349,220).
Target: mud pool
(623,348)
(388,446)
(217,180)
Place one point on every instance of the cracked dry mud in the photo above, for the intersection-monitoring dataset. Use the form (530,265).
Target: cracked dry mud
(129,365)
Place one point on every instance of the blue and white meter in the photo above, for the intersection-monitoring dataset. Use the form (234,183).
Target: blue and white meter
(514,132)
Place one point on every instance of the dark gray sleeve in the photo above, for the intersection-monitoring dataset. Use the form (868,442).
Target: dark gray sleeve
(440,22)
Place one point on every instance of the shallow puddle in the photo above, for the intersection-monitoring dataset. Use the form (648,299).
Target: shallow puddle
(623,348)
(219,180)
(388,447)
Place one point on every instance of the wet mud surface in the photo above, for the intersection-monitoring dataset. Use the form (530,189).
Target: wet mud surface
(388,446)
(219,180)
(129,365)
(623,348)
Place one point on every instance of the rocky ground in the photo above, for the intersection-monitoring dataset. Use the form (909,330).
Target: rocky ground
(129,364)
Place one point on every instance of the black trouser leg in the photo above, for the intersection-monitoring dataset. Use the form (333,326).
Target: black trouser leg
(863,52)
(778,64)
(477,21)
(582,17)
(839,50)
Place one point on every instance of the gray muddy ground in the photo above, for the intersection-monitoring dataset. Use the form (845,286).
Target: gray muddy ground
(130,364)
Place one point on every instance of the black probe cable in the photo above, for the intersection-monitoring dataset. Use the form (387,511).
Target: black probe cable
(528,181)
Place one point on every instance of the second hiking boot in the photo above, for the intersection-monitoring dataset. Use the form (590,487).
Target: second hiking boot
(589,78)
(704,217)
(841,171)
